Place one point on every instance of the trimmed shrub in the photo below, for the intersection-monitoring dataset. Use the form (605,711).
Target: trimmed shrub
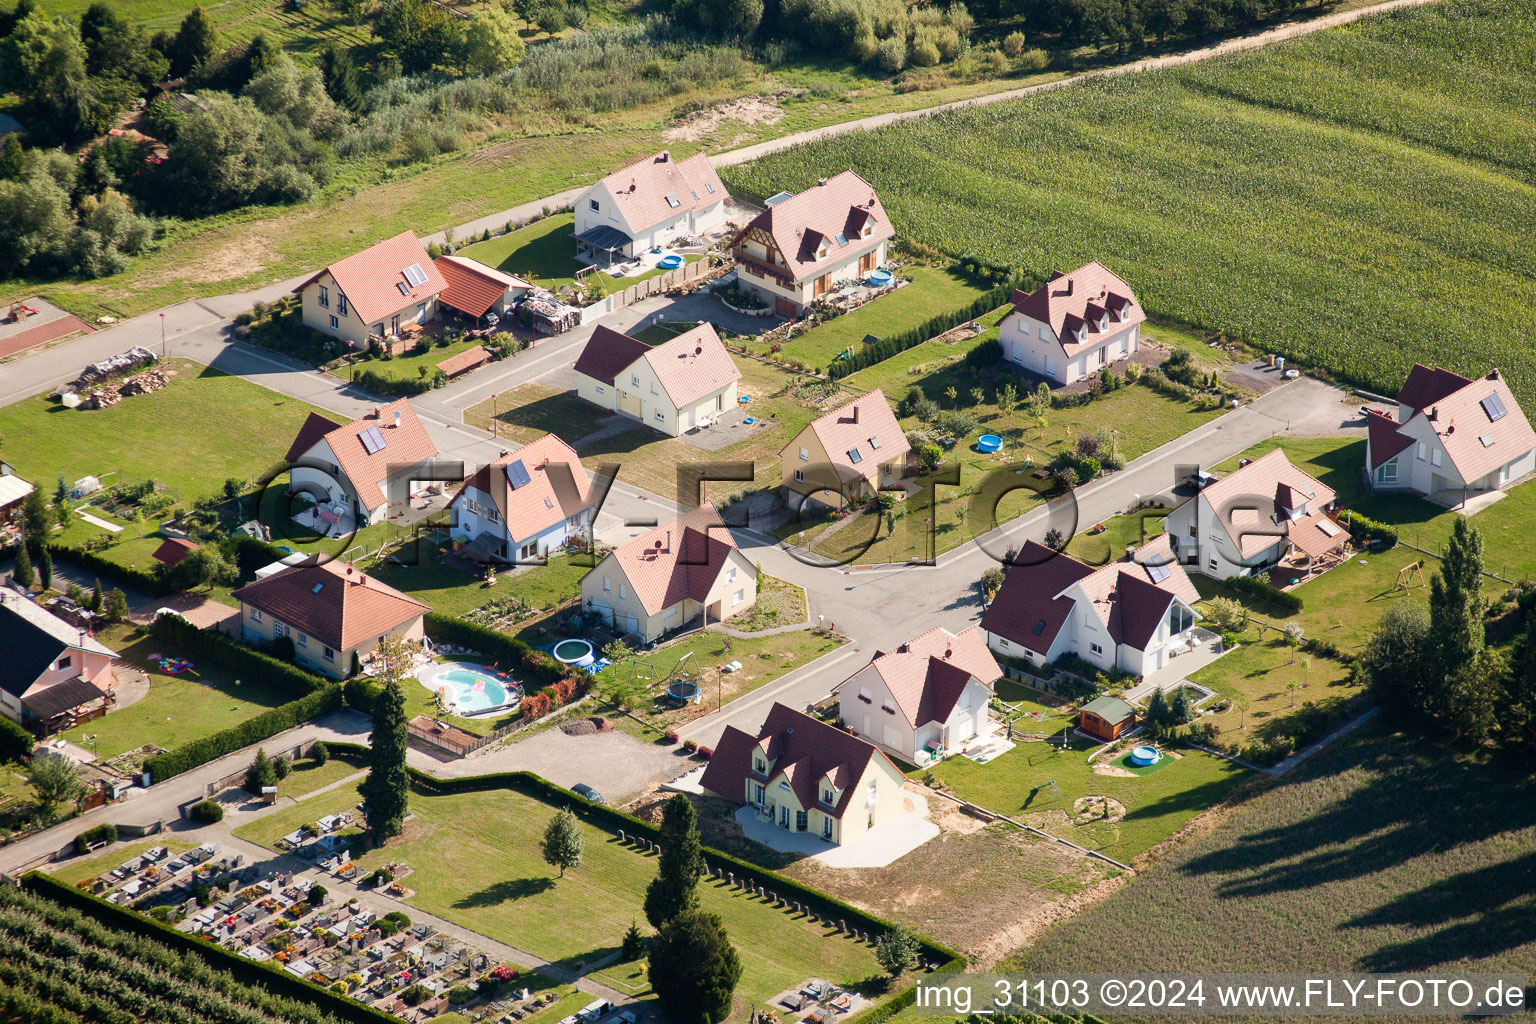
(1365,528)
(91,836)
(15,742)
(152,583)
(361,692)
(1261,589)
(206,812)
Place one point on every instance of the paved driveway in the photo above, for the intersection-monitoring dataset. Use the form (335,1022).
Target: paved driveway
(616,764)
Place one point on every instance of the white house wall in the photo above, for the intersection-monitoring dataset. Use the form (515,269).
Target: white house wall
(1030,344)
(803,293)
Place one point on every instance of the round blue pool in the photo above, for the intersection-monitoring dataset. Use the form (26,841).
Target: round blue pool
(988,443)
(670,262)
(574,652)
(879,278)
(1144,755)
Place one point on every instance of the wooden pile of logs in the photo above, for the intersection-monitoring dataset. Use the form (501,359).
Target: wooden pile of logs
(138,384)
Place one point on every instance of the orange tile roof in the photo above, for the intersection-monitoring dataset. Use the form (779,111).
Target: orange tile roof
(1273,484)
(641,188)
(557,487)
(466,360)
(1474,441)
(1082,307)
(853,427)
(332,602)
(369,279)
(474,287)
(405,444)
(842,206)
(927,674)
(677,560)
(692,365)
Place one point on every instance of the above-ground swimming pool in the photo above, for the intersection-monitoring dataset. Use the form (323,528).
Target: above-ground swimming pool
(879,278)
(988,443)
(671,262)
(467,690)
(573,652)
(1145,755)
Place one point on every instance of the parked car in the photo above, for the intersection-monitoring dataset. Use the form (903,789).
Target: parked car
(587,793)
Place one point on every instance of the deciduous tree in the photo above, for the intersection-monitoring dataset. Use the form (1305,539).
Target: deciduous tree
(897,951)
(562,844)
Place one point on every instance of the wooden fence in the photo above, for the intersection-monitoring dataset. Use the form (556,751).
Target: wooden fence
(657,285)
(448,741)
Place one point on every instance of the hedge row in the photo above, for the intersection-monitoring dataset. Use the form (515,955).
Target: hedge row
(152,583)
(1367,528)
(885,348)
(506,651)
(268,975)
(15,742)
(1261,589)
(243,661)
(100,834)
(608,818)
(254,730)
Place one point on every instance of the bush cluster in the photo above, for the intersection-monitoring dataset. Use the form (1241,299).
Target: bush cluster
(1259,588)
(100,834)
(1365,528)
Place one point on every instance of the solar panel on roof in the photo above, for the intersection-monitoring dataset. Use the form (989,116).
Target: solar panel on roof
(1157,573)
(517,473)
(373,441)
(1494,407)
(414,274)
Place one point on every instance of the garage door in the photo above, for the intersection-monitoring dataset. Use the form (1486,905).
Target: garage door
(629,404)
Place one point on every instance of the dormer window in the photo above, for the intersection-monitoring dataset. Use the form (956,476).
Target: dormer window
(759,765)
(828,797)
(868,230)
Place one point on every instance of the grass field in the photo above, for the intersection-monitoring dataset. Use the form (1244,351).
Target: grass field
(201,429)
(409,367)
(476,861)
(455,592)
(544,253)
(1333,198)
(1383,853)
(1157,804)
(178,708)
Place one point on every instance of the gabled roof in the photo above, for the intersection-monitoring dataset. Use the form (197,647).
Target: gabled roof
(1275,486)
(1385,439)
(677,560)
(13,489)
(803,752)
(1082,307)
(405,443)
(472,286)
(375,280)
(556,488)
(692,365)
(173,550)
(332,602)
(1028,609)
(1479,423)
(865,426)
(1112,709)
(33,639)
(838,209)
(310,434)
(608,353)
(927,674)
(656,188)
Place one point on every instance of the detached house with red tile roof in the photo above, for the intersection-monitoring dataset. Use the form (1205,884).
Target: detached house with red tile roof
(360,469)
(672,387)
(853,451)
(475,289)
(373,293)
(1452,437)
(806,245)
(926,698)
(525,505)
(677,572)
(330,611)
(1254,518)
(53,672)
(1128,615)
(647,203)
(1073,325)
(806,776)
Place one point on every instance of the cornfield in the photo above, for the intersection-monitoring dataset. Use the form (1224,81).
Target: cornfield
(1355,200)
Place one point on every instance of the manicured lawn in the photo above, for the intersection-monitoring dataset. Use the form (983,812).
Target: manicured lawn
(1109,545)
(82,868)
(269,828)
(306,776)
(178,708)
(651,460)
(454,592)
(409,366)
(1157,804)
(475,861)
(192,435)
(933,290)
(544,253)
(1274,680)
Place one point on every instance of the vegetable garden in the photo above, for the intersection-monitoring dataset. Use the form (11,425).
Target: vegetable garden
(1338,199)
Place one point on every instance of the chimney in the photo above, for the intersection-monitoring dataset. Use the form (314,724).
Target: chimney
(1069,286)
(631,184)
(377,413)
(871,200)
(855,412)
(821,181)
(698,350)
(349,568)
(1130,552)
(947,652)
(669,541)
(397,417)
(665,155)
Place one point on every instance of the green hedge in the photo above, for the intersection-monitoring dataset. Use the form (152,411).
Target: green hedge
(100,833)
(269,975)
(245,662)
(15,742)
(251,553)
(608,818)
(254,730)
(360,692)
(885,348)
(152,583)
(1261,589)
(1367,528)
(510,653)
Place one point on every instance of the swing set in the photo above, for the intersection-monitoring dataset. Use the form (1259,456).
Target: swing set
(1406,574)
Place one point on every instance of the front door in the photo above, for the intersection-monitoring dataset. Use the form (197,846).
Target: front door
(866,263)
(822,284)
(394,324)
